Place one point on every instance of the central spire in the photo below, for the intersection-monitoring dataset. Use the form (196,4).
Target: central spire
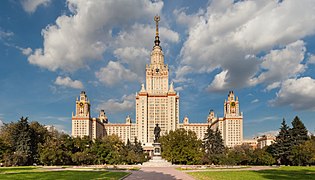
(157,38)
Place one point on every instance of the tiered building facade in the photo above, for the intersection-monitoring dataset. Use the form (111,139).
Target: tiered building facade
(157,103)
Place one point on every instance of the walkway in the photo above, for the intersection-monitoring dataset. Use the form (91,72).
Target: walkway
(158,173)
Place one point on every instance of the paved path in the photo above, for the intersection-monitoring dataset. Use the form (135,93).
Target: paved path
(158,173)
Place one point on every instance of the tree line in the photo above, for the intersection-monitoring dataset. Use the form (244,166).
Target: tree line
(29,143)
(293,146)
(24,143)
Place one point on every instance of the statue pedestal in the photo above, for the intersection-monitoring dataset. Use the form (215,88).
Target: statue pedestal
(157,160)
(156,149)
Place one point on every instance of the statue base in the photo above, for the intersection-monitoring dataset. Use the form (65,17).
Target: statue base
(157,160)
(156,149)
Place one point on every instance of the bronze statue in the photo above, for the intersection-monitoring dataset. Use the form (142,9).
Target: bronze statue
(157,131)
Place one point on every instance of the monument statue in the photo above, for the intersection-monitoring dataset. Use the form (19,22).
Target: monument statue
(157,131)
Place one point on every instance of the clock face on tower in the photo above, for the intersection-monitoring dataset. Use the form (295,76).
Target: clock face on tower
(233,104)
(157,70)
(81,104)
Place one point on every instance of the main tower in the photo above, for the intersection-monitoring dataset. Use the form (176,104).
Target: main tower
(157,102)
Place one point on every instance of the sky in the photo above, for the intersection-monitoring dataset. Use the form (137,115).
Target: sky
(263,50)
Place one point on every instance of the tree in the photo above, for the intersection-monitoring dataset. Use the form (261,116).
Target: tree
(39,137)
(240,155)
(24,146)
(303,154)
(298,132)
(181,147)
(56,150)
(213,145)
(113,148)
(282,146)
(262,157)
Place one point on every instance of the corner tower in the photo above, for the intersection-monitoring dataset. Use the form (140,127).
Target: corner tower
(232,121)
(157,102)
(81,120)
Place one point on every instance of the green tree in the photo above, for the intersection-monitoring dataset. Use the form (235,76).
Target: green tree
(262,157)
(240,155)
(303,154)
(24,145)
(298,132)
(282,146)
(213,145)
(39,137)
(113,147)
(56,150)
(181,147)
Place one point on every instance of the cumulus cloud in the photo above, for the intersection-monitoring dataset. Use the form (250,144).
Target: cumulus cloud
(135,58)
(115,73)
(87,32)
(297,93)
(126,103)
(230,35)
(282,64)
(68,82)
(30,6)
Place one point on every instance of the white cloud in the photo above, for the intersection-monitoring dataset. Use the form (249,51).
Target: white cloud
(137,36)
(5,34)
(181,72)
(84,36)
(136,58)
(230,35)
(271,132)
(26,51)
(282,64)
(186,19)
(311,59)
(30,6)
(297,93)
(115,73)
(273,86)
(255,101)
(126,103)
(68,82)
(219,82)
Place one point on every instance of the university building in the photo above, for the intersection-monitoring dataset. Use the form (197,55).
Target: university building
(157,103)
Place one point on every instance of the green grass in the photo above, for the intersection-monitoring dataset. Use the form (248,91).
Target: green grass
(279,173)
(17,169)
(63,175)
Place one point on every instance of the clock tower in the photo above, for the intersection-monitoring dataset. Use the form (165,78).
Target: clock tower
(81,119)
(232,122)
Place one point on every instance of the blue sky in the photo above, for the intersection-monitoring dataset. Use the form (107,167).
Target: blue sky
(263,50)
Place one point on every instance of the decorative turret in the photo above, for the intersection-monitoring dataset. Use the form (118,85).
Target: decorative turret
(186,120)
(103,118)
(82,106)
(128,120)
(231,105)
(211,117)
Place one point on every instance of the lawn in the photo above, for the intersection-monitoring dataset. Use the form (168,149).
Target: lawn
(25,173)
(279,173)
